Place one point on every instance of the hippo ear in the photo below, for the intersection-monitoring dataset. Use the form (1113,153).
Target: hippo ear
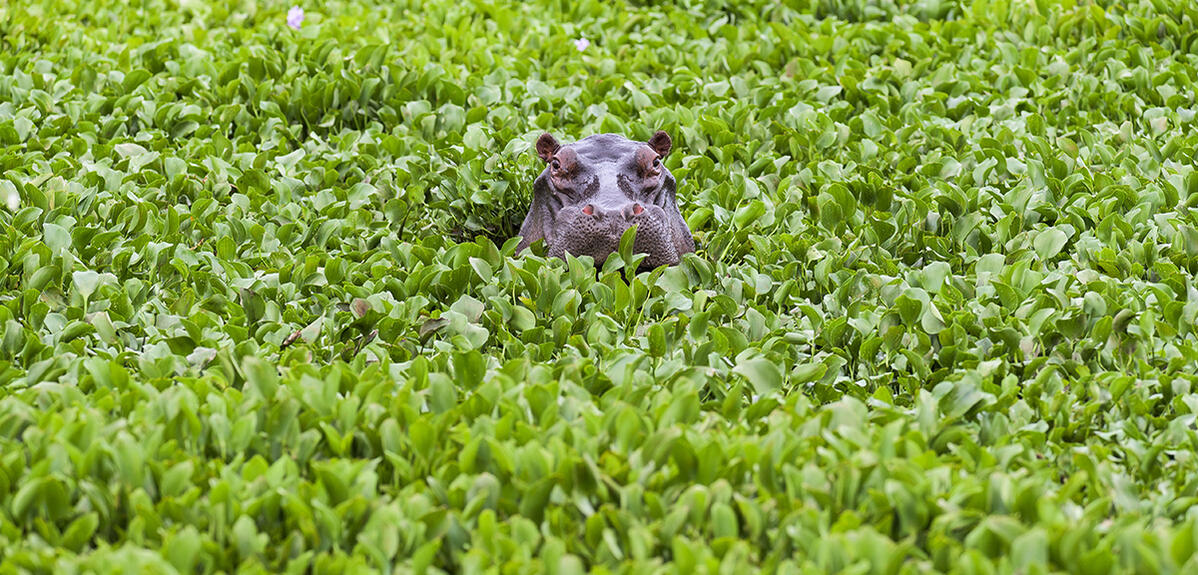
(660,142)
(547,146)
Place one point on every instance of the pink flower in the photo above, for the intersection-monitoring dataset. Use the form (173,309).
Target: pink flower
(295,17)
(582,44)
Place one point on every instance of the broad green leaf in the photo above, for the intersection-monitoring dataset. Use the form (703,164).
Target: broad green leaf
(763,374)
(1049,243)
(86,282)
(261,377)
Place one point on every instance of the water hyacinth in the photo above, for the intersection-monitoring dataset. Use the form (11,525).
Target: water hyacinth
(260,304)
(295,17)
(11,199)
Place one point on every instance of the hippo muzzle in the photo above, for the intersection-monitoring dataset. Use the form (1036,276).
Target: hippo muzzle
(596,232)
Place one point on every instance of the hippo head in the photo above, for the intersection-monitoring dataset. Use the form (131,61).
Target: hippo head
(596,188)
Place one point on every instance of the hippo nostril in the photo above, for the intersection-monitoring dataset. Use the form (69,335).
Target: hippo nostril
(637,209)
(588,210)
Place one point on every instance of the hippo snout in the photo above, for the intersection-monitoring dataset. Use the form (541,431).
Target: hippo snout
(623,212)
(596,231)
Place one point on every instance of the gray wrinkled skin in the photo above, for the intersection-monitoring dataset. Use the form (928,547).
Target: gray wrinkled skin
(594,189)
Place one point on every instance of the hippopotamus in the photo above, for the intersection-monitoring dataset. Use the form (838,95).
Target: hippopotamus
(594,189)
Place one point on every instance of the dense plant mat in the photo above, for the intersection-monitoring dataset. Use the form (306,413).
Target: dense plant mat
(260,309)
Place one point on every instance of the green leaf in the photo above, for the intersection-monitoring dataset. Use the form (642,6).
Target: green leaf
(177,479)
(748,213)
(57,238)
(934,274)
(80,532)
(311,332)
(1049,243)
(482,268)
(262,379)
(86,282)
(764,375)
(723,520)
(808,372)
(627,241)
(469,307)
(909,308)
(422,437)
(183,549)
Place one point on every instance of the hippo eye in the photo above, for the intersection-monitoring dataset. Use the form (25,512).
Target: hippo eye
(656,162)
(556,164)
